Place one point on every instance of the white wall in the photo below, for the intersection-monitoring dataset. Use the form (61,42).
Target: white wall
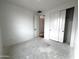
(61,7)
(17,24)
(74,26)
(0,43)
(36,25)
(46,27)
(76,50)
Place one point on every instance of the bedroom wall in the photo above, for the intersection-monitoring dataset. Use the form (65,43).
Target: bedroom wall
(74,27)
(17,24)
(0,44)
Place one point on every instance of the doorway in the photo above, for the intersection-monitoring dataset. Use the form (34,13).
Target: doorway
(41,26)
(68,25)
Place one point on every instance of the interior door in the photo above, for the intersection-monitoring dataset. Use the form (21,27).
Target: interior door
(54,25)
(62,16)
(36,26)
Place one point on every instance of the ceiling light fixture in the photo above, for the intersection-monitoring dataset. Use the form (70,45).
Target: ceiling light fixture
(39,11)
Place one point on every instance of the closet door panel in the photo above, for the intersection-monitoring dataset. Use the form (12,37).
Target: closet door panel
(62,16)
(54,26)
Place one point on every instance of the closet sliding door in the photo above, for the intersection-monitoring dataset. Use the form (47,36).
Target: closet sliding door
(54,26)
(62,16)
(57,24)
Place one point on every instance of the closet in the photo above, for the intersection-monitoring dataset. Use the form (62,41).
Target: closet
(57,23)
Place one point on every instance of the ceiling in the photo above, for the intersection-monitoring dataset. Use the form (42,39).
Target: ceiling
(36,5)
